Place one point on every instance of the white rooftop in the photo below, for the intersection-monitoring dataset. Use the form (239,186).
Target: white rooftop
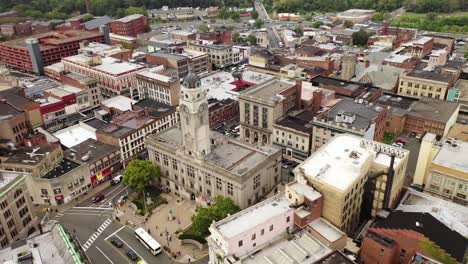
(130,18)
(116,67)
(452,215)
(305,190)
(219,85)
(327,230)
(119,102)
(256,77)
(153,74)
(76,134)
(396,58)
(453,154)
(302,249)
(7,177)
(253,216)
(344,160)
(422,40)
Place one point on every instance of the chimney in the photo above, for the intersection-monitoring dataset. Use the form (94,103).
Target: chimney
(298,93)
(316,101)
(367,63)
(88,6)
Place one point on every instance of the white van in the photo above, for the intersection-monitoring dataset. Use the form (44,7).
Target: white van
(117,179)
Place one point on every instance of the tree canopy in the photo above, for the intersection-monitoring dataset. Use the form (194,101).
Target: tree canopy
(360,38)
(139,173)
(259,23)
(219,210)
(252,39)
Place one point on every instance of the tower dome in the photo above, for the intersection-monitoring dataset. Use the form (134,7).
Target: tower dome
(191,81)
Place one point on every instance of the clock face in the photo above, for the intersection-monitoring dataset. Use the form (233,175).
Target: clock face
(185,109)
(202,108)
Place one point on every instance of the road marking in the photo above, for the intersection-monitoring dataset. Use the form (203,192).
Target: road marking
(95,214)
(104,255)
(123,241)
(118,230)
(110,199)
(96,234)
(93,208)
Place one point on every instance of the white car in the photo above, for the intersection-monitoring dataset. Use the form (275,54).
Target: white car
(117,179)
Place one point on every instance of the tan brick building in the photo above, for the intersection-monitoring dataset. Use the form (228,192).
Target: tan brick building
(425,84)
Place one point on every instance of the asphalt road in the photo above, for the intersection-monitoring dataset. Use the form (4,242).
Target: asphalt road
(94,228)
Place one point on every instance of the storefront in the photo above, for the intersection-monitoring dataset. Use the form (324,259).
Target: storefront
(101,176)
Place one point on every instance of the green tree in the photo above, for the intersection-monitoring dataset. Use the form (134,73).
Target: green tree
(259,23)
(235,16)
(236,37)
(348,24)
(299,30)
(360,38)
(139,174)
(254,14)
(203,28)
(219,210)
(317,24)
(131,10)
(252,39)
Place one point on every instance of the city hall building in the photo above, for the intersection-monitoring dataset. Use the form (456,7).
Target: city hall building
(200,164)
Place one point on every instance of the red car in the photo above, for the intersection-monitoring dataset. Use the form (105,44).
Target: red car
(98,198)
(400,140)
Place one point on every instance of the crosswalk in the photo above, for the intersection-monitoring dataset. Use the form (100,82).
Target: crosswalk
(96,234)
(57,217)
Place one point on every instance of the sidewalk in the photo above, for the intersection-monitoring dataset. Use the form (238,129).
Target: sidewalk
(40,210)
(163,229)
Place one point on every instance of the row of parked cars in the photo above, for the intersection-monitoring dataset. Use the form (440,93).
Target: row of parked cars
(130,253)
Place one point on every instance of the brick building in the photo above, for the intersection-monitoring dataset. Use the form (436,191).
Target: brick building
(217,36)
(222,112)
(402,235)
(130,25)
(14,124)
(32,54)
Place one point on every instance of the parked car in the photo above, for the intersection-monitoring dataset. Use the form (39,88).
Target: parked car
(131,255)
(116,242)
(400,140)
(412,135)
(117,179)
(418,136)
(99,197)
(285,166)
(122,199)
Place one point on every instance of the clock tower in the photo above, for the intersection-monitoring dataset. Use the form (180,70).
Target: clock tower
(193,108)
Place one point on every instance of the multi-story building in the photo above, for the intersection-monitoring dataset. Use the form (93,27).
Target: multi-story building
(398,109)
(16,215)
(352,117)
(199,164)
(174,61)
(32,54)
(53,179)
(223,112)
(159,84)
(129,129)
(260,107)
(115,76)
(102,159)
(425,84)
(220,56)
(421,47)
(433,116)
(294,134)
(14,124)
(130,25)
(459,93)
(340,170)
(441,168)
(91,90)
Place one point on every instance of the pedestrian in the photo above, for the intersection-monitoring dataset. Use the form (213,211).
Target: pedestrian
(156,226)
(149,231)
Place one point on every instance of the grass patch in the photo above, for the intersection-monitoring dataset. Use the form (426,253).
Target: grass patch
(388,138)
(456,22)
(155,198)
(190,234)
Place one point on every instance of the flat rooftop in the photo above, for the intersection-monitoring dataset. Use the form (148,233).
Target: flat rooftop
(219,85)
(335,257)
(28,155)
(52,39)
(345,159)
(459,131)
(433,109)
(303,248)
(297,122)
(109,65)
(129,18)
(76,134)
(119,102)
(397,101)
(327,230)
(62,168)
(116,131)
(90,148)
(269,90)
(7,178)
(451,214)
(453,154)
(236,157)
(253,216)
(430,75)
(8,111)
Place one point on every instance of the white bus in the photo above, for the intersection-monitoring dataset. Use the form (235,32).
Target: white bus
(148,241)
